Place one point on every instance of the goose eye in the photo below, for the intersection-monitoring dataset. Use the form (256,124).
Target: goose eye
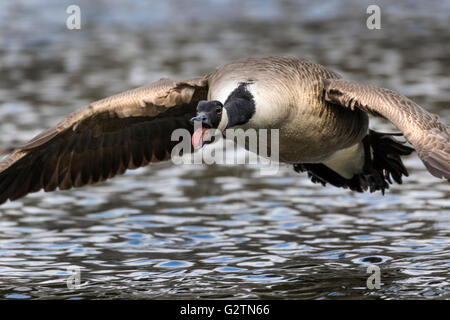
(219,110)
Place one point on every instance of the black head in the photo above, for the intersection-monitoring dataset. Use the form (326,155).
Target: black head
(209,113)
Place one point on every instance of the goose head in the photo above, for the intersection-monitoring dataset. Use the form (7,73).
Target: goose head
(237,110)
(209,116)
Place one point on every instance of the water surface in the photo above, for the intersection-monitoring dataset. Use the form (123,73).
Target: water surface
(172,232)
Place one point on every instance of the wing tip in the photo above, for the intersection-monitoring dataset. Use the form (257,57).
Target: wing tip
(438,165)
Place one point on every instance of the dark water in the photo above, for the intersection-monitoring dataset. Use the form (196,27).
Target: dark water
(220,231)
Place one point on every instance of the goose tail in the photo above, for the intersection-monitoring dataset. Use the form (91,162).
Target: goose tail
(381,166)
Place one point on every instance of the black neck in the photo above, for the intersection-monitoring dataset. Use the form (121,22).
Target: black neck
(239,106)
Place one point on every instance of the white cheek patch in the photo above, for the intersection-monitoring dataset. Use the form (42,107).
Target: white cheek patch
(221,94)
(265,113)
(223,121)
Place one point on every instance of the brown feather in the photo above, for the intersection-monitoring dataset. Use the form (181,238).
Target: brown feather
(429,136)
(101,140)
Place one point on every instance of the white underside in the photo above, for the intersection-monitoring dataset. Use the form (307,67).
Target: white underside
(347,162)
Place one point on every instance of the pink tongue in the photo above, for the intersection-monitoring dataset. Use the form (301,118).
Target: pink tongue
(197,138)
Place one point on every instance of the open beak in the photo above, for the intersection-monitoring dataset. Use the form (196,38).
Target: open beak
(201,133)
(203,118)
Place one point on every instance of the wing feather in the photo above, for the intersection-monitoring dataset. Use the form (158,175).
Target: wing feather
(103,139)
(429,136)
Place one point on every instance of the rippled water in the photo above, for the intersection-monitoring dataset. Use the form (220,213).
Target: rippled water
(218,231)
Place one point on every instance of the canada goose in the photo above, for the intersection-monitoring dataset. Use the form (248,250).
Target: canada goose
(322,121)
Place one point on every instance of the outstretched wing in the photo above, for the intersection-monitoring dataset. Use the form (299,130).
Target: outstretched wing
(124,131)
(429,136)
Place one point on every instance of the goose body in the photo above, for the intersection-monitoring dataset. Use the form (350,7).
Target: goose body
(288,96)
(322,121)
